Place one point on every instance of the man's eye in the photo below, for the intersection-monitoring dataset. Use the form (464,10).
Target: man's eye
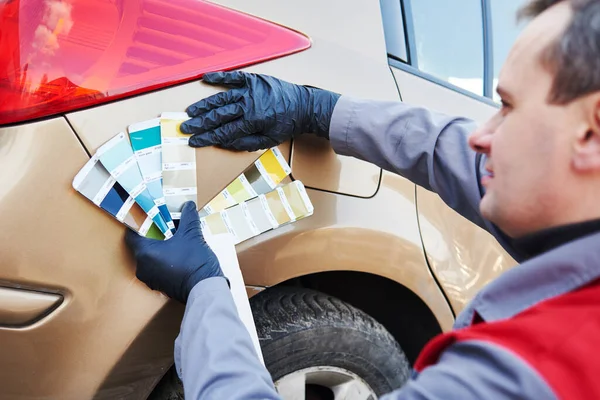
(506,107)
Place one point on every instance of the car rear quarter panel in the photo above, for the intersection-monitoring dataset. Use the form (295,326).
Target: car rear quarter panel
(53,240)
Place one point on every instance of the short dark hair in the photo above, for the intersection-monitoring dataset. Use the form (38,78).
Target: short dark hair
(574,58)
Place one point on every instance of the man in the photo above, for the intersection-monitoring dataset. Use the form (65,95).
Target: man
(531,177)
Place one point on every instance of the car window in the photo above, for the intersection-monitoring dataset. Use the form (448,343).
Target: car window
(505,30)
(449,41)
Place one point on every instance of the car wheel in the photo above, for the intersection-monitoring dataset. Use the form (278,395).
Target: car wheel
(320,348)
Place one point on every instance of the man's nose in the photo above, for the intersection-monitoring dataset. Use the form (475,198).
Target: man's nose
(481,139)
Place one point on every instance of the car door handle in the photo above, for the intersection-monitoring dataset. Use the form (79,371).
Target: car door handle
(19,307)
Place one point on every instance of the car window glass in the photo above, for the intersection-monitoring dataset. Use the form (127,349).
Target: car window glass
(449,41)
(505,30)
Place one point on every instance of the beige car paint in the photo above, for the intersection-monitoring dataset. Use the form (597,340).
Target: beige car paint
(463,256)
(377,235)
(315,163)
(112,337)
(419,91)
(344,58)
(55,241)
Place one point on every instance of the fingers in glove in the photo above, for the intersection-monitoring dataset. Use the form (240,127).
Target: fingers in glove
(252,143)
(146,274)
(233,78)
(216,100)
(213,119)
(135,241)
(189,219)
(221,136)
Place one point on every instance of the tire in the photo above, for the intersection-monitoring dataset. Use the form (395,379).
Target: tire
(300,329)
(169,387)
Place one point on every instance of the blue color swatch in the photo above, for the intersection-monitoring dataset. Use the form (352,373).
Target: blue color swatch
(146,137)
(118,158)
(146,143)
(115,199)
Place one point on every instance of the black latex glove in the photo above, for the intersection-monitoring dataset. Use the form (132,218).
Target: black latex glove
(176,265)
(260,112)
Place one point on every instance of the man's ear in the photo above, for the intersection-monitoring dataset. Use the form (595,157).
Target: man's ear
(586,154)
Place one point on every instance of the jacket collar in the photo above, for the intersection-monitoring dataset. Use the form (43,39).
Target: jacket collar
(537,243)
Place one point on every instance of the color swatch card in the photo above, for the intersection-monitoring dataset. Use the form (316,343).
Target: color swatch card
(178,163)
(262,177)
(147,147)
(117,157)
(272,168)
(143,178)
(224,248)
(268,211)
(95,183)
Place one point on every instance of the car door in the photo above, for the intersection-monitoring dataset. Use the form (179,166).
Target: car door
(447,56)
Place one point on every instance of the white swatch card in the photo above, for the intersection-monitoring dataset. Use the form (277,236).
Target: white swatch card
(224,248)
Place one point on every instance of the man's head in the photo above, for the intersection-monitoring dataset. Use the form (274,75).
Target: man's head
(543,146)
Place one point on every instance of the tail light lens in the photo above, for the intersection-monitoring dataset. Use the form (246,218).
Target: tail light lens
(62,55)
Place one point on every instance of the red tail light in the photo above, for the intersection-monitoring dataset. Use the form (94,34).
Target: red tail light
(61,55)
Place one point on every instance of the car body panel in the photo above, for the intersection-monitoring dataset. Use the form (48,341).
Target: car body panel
(55,241)
(315,163)
(342,58)
(463,256)
(377,236)
(319,21)
(422,92)
(147,358)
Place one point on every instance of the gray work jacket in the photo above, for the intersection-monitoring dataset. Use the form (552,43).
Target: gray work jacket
(214,355)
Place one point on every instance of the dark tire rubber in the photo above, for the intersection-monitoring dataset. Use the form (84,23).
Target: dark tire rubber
(300,328)
(169,387)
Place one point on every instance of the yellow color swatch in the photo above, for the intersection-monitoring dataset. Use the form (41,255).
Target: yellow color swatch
(269,211)
(292,193)
(238,191)
(277,208)
(215,224)
(221,202)
(272,164)
(170,123)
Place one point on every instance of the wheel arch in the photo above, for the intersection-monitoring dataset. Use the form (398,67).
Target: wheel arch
(384,260)
(404,314)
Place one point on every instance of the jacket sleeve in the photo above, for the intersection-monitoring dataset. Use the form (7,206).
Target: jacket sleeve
(475,370)
(214,355)
(428,148)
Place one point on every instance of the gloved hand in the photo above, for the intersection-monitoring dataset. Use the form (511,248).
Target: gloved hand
(260,112)
(176,265)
